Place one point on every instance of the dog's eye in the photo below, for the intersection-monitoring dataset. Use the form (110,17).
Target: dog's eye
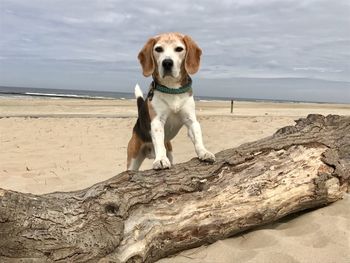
(179,49)
(159,49)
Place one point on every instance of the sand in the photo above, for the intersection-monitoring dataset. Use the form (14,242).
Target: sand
(51,145)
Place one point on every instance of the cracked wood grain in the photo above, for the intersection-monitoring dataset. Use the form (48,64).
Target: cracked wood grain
(144,216)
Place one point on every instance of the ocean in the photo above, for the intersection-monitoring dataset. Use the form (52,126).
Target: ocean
(63,93)
(6,91)
(76,94)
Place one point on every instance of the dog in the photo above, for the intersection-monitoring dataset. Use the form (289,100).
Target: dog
(170,58)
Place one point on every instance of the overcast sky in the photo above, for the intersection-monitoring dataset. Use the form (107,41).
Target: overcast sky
(251,48)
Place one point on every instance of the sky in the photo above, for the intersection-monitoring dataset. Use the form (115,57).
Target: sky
(286,49)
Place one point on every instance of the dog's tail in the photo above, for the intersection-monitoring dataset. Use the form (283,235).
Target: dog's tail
(138,92)
(139,97)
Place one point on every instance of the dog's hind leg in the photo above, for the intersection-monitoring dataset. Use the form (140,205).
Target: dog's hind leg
(135,163)
(135,153)
(169,152)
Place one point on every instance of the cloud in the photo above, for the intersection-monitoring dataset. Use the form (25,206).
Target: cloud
(240,38)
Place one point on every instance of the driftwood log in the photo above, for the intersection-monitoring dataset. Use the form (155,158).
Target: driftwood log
(144,216)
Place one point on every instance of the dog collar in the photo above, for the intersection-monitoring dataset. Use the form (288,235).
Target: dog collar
(165,89)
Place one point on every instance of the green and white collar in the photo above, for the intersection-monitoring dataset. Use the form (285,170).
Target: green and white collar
(165,89)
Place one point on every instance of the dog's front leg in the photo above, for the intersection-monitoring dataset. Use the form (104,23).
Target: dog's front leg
(188,115)
(157,133)
(195,133)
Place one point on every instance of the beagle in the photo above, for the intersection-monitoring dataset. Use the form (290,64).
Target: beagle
(169,105)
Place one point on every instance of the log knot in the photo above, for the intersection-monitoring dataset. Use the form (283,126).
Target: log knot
(111,209)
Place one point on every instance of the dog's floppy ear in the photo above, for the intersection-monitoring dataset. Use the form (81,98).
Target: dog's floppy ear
(146,58)
(193,55)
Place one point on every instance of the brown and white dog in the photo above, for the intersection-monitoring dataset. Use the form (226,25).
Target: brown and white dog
(169,105)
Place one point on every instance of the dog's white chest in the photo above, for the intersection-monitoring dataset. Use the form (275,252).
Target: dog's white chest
(174,102)
(172,107)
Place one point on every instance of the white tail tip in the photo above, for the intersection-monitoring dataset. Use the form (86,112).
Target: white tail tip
(138,91)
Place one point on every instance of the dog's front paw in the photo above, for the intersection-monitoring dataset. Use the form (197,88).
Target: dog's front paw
(206,156)
(162,163)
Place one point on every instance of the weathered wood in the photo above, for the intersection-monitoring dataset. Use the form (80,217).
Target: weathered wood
(144,216)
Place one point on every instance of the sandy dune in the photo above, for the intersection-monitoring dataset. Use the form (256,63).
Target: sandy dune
(65,144)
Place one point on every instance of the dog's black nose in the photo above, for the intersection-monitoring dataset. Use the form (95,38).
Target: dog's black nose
(167,64)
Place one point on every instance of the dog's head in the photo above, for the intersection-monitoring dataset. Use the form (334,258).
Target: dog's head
(170,56)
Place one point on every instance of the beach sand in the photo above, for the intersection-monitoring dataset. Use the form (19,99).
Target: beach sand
(51,145)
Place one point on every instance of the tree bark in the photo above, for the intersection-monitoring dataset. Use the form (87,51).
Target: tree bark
(144,216)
